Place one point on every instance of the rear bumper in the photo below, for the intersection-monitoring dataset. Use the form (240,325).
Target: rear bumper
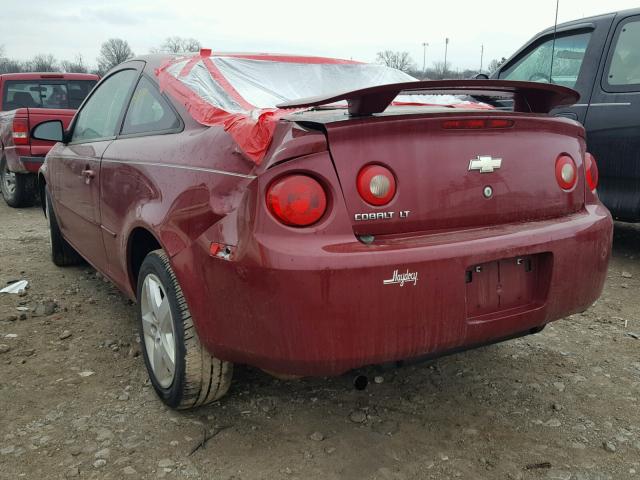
(24,163)
(31,164)
(321,307)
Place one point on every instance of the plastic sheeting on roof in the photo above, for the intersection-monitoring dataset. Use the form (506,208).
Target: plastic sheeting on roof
(240,92)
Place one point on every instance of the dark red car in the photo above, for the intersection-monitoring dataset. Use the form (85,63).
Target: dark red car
(370,222)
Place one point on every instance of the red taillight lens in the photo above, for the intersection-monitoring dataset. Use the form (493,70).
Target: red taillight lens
(20,131)
(376,184)
(297,200)
(591,171)
(566,172)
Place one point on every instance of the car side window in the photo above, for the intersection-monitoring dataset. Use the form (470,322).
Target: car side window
(624,66)
(148,111)
(99,116)
(535,66)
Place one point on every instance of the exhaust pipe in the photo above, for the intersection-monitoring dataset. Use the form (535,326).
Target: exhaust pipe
(360,382)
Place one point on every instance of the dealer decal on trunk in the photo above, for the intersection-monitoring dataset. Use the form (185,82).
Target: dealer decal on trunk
(402,278)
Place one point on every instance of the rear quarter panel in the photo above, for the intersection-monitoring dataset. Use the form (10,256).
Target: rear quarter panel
(174,185)
(9,151)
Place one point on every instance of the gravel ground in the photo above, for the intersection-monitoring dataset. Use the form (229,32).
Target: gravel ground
(75,400)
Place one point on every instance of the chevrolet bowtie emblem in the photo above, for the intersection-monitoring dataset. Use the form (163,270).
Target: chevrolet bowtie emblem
(485,164)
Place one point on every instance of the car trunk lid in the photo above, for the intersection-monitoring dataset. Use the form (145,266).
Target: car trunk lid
(453,178)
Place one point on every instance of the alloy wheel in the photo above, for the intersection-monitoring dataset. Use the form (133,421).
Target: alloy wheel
(8,181)
(159,333)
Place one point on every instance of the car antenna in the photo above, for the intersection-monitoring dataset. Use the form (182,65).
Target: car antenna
(553,45)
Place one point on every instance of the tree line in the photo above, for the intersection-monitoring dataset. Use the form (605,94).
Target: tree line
(437,71)
(115,51)
(112,52)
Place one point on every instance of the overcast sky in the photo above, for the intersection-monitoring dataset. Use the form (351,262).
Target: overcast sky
(338,28)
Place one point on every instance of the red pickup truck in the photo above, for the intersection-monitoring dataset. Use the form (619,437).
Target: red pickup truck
(27,99)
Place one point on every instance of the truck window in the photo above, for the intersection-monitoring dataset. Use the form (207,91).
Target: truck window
(45,94)
(624,68)
(535,66)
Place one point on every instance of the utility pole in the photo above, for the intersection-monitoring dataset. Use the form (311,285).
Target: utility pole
(481,56)
(424,56)
(446,48)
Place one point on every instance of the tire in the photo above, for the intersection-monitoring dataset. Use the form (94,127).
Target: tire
(62,254)
(18,189)
(196,378)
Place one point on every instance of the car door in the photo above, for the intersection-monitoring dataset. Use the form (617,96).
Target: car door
(75,165)
(128,168)
(575,50)
(613,121)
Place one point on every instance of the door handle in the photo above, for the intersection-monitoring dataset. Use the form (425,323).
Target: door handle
(88,174)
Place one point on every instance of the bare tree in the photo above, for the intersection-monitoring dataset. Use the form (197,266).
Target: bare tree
(113,52)
(438,71)
(44,62)
(400,60)
(178,45)
(8,65)
(75,66)
(495,64)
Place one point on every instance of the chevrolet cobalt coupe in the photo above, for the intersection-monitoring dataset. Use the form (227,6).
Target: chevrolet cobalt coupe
(309,216)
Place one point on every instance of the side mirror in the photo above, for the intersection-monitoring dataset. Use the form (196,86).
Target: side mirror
(481,76)
(51,131)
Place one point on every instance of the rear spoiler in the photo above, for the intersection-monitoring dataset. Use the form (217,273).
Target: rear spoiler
(530,97)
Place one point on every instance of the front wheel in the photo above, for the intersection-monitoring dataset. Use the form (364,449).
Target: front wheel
(18,189)
(182,372)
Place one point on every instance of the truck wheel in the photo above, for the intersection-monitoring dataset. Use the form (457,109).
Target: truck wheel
(182,372)
(62,254)
(18,189)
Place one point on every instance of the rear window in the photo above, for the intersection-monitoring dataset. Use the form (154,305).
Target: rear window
(45,93)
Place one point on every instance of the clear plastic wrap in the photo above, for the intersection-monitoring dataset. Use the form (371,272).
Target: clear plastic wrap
(240,91)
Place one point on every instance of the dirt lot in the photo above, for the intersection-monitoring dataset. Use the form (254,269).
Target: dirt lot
(75,400)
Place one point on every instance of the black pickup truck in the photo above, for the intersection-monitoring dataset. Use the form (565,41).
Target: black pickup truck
(600,58)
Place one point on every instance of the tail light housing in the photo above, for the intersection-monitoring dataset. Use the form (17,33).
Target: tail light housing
(566,172)
(20,131)
(591,171)
(297,200)
(376,184)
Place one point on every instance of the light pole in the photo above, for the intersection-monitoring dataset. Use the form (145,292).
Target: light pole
(424,56)
(446,48)
(481,56)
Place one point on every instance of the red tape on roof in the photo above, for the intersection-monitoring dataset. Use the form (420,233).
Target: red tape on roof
(217,101)
(252,130)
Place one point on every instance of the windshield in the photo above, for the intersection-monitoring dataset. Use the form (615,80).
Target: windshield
(45,93)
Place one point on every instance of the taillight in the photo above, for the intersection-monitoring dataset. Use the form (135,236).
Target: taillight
(566,172)
(591,171)
(20,131)
(376,184)
(297,200)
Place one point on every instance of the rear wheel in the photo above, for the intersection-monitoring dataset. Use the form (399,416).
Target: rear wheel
(62,254)
(182,372)
(18,189)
